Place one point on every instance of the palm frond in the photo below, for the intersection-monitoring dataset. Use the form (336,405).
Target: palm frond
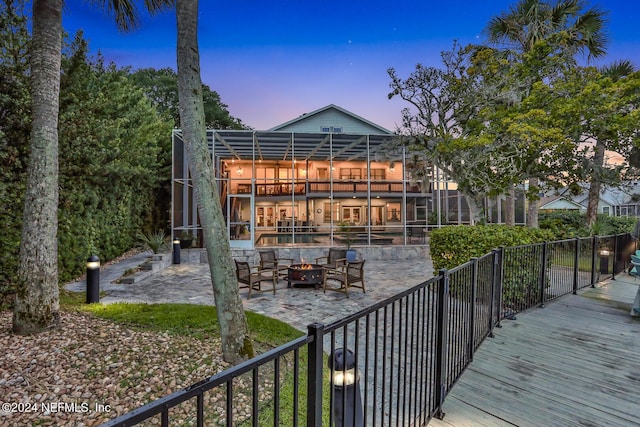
(618,69)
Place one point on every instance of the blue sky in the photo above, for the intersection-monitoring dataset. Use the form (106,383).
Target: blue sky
(273,61)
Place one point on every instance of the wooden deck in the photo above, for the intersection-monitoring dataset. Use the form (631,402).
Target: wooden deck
(575,362)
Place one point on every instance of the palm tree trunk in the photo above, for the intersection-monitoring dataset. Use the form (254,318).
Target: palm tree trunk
(234,330)
(37,299)
(594,186)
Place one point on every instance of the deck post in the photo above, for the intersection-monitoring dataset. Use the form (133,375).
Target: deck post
(615,256)
(576,260)
(594,255)
(495,281)
(441,343)
(472,307)
(543,273)
(314,367)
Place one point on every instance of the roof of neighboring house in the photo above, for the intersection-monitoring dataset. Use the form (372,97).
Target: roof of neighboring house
(331,112)
(608,196)
(558,202)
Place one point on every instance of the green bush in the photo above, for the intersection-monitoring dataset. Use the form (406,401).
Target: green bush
(454,245)
(156,241)
(565,224)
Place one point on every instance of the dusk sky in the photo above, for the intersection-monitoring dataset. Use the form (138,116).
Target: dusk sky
(273,61)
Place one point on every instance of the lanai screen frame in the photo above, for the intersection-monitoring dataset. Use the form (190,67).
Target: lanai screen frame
(256,146)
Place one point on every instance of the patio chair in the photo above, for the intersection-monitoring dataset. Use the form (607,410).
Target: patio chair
(252,277)
(270,261)
(336,258)
(349,275)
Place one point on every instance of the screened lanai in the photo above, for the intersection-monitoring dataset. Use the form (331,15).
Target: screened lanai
(293,188)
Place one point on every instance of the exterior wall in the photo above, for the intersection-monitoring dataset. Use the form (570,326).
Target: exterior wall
(331,118)
(563,204)
(370,253)
(602,205)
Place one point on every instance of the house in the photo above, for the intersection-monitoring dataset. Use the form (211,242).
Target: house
(309,180)
(304,182)
(559,202)
(613,201)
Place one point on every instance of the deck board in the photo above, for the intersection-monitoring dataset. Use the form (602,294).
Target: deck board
(575,362)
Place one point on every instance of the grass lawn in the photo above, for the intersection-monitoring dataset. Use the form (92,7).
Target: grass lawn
(200,322)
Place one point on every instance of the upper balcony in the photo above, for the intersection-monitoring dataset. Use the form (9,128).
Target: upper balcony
(325,188)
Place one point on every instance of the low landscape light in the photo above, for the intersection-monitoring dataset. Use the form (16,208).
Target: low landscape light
(93,262)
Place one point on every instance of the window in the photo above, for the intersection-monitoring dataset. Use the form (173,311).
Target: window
(350,173)
(393,212)
(378,174)
(328,211)
(328,129)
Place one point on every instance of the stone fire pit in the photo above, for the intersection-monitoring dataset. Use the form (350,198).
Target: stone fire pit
(304,275)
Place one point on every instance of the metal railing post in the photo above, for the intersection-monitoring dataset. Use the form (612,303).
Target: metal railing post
(543,273)
(472,308)
(576,260)
(494,291)
(594,255)
(314,372)
(615,256)
(441,342)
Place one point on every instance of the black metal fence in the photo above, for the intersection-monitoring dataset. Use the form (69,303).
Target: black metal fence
(393,363)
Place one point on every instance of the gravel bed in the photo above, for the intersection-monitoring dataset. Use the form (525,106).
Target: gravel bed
(90,370)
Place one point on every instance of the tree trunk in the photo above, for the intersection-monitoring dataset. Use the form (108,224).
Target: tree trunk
(594,187)
(234,331)
(37,299)
(476,207)
(532,211)
(510,207)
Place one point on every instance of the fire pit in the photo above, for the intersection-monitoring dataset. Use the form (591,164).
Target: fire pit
(305,275)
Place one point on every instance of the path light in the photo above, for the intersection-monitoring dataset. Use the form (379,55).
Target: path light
(176,251)
(93,279)
(347,400)
(604,260)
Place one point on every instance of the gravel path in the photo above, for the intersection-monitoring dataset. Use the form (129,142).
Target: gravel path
(91,370)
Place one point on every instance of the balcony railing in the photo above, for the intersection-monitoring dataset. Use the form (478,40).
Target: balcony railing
(325,187)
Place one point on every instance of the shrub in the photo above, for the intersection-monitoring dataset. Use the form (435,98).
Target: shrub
(565,224)
(156,241)
(454,245)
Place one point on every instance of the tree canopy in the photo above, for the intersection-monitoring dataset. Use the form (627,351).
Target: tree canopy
(520,109)
(114,148)
(161,87)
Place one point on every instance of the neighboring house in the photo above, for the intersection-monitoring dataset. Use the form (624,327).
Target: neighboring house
(559,203)
(613,201)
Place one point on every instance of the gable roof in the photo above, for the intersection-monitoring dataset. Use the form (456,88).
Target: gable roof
(558,202)
(331,108)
